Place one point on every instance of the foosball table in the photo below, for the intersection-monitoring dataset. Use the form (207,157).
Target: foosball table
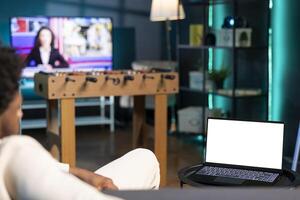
(60,89)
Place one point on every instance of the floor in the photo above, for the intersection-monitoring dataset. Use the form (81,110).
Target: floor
(96,146)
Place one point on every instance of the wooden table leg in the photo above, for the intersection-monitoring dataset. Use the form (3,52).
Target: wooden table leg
(68,137)
(53,134)
(139,135)
(160,135)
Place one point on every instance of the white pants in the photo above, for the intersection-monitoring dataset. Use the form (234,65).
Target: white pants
(27,171)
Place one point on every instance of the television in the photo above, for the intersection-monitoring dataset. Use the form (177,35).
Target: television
(85,43)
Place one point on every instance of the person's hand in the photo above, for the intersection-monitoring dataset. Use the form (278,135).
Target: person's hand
(101,182)
(48,67)
(98,181)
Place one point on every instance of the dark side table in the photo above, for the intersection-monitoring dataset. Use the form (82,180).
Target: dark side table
(288,178)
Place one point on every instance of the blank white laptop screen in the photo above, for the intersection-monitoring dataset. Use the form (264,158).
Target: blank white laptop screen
(256,144)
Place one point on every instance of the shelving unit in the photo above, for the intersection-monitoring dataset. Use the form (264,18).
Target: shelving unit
(184,46)
(246,88)
(100,119)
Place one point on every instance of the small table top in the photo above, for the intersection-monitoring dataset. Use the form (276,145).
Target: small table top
(287,179)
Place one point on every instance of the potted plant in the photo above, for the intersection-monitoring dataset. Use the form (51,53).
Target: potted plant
(218,76)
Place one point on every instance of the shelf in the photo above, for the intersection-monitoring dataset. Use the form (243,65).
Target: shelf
(205,2)
(41,104)
(92,120)
(33,104)
(33,123)
(80,121)
(186,89)
(213,2)
(240,93)
(186,46)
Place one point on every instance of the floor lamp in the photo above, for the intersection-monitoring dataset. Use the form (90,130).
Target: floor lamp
(168,10)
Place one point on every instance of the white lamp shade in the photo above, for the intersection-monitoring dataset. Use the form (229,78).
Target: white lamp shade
(162,10)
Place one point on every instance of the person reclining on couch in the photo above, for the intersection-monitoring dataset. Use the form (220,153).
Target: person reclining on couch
(28,171)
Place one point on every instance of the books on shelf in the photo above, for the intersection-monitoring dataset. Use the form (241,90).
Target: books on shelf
(196,34)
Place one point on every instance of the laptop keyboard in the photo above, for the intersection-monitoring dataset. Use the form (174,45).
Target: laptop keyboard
(238,173)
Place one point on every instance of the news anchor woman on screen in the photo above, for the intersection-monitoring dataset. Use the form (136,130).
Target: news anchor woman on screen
(43,52)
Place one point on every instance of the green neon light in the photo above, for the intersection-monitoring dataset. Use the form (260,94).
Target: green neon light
(210,53)
(279,54)
(220,58)
(210,66)
(270,69)
(210,59)
(271,4)
(270,75)
(199,138)
(210,101)
(210,15)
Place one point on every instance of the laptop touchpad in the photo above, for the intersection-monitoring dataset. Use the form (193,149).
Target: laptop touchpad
(225,180)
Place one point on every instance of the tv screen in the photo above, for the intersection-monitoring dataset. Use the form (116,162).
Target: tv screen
(63,43)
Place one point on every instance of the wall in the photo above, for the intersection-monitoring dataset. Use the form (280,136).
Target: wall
(286,69)
(125,13)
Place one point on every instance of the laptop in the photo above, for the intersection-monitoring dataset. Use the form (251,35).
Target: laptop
(241,153)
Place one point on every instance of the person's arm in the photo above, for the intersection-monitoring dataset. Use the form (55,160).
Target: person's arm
(63,62)
(31,60)
(59,60)
(98,181)
(31,173)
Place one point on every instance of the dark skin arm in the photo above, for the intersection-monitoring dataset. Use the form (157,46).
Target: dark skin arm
(97,181)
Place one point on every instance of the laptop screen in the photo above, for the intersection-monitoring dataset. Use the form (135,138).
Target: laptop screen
(245,143)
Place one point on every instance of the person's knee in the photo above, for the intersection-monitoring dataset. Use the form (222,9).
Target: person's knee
(151,165)
(145,153)
(147,157)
